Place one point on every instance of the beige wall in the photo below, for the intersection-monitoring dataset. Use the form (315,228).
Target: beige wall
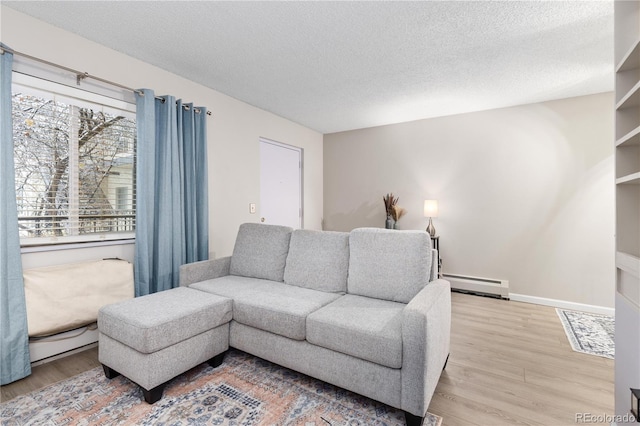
(525,193)
(233,130)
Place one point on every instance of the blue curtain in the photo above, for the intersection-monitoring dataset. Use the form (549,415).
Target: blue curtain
(172,196)
(195,184)
(14,340)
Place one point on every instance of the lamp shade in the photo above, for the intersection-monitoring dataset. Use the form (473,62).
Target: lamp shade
(430,208)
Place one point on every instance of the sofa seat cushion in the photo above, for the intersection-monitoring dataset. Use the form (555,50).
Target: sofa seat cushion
(318,260)
(159,320)
(388,264)
(363,327)
(260,251)
(268,305)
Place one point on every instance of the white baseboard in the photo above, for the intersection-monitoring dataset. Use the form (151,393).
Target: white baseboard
(563,304)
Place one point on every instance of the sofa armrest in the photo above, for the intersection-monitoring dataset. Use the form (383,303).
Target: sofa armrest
(426,333)
(204,270)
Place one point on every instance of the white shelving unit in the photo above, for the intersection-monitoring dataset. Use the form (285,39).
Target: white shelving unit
(627,151)
(627,181)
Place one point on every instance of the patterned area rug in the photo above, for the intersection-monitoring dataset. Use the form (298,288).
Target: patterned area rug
(245,390)
(589,333)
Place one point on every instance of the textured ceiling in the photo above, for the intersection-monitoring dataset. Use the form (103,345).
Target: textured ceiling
(335,66)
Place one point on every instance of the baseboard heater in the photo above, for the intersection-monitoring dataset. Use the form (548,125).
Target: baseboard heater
(48,347)
(480,286)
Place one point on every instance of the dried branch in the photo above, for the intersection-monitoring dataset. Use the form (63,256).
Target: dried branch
(389,203)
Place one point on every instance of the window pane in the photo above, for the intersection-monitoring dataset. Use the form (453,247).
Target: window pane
(75,168)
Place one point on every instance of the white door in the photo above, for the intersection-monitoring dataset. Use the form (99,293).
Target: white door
(280,184)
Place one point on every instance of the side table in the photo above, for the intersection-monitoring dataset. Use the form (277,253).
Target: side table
(435,242)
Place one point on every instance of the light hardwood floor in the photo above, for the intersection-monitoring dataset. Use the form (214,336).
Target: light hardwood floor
(510,364)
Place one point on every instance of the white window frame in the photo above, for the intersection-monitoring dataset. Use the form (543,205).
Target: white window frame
(82,98)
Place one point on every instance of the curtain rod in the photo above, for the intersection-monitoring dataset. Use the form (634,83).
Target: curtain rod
(79,74)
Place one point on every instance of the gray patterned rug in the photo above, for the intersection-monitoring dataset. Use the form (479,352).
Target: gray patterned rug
(589,333)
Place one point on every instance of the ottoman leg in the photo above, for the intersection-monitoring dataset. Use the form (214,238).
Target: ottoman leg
(110,372)
(152,396)
(216,361)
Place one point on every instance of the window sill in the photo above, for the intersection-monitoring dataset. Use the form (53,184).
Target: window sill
(80,245)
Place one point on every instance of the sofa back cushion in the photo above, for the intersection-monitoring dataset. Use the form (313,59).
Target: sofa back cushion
(260,251)
(388,264)
(318,260)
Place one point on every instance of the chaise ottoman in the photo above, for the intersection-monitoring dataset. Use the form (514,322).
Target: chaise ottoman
(154,338)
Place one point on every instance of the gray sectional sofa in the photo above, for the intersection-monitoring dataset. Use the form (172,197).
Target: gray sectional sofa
(361,310)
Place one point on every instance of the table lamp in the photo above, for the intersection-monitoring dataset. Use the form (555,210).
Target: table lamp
(431,211)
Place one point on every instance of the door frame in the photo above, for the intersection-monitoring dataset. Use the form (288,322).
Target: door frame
(300,151)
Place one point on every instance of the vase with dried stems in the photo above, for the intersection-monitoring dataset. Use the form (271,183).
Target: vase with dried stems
(389,201)
(394,212)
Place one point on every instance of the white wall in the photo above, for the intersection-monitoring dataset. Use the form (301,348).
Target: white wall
(233,130)
(525,193)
